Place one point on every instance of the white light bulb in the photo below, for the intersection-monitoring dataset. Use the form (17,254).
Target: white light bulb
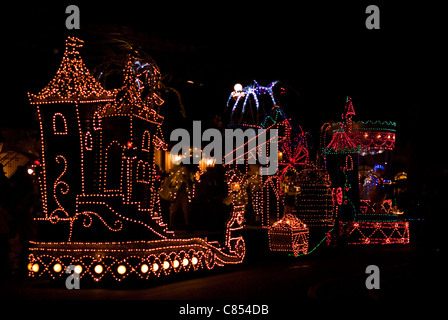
(238,87)
(98,268)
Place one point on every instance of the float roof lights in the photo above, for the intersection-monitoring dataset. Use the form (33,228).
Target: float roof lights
(73,81)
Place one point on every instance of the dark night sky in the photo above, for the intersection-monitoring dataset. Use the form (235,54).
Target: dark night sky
(322,51)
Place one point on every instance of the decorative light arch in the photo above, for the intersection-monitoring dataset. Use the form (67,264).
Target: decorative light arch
(59,124)
(146,140)
(88,141)
(96,121)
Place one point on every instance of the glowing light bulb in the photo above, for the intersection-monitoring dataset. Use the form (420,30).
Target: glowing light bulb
(57,267)
(155,267)
(194,261)
(98,268)
(235,186)
(144,268)
(280,156)
(238,87)
(35,267)
(121,269)
(166,265)
(176,159)
(78,269)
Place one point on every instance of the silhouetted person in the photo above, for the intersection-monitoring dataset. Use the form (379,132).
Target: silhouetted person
(178,189)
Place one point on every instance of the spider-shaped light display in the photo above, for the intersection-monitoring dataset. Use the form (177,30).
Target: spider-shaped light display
(252,90)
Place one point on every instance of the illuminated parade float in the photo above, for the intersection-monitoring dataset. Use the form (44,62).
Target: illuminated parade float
(357,154)
(101,205)
(274,198)
(345,194)
(102,208)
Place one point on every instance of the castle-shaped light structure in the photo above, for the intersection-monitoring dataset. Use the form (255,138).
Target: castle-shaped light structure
(97,156)
(101,206)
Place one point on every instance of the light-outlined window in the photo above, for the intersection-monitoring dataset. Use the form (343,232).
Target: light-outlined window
(146,140)
(59,124)
(96,121)
(349,162)
(142,174)
(88,141)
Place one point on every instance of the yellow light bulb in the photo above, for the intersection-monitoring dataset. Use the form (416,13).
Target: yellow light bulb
(35,267)
(144,268)
(98,268)
(78,269)
(166,265)
(57,267)
(121,269)
(155,267)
